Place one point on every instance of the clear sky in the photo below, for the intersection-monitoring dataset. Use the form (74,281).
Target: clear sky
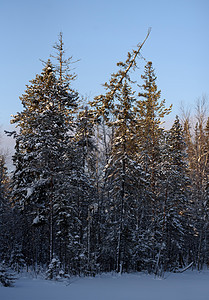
(100,33)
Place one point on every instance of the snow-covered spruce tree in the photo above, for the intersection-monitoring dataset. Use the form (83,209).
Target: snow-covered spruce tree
(103,108)
(54,271)
(42,144)
(17,261)
(192,242)
(82,192)
(150,111)
(124,186)
(175,196)
(86,191)
(6,276)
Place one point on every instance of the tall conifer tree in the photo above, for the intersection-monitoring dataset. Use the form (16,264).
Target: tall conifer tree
(42,145)
(124,183)
(175,195)
(150,111)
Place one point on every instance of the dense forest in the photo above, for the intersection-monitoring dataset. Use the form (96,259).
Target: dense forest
(100,185)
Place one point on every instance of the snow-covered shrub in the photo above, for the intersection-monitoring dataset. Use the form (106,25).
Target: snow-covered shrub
(54,270)
(17,261)
(6,277)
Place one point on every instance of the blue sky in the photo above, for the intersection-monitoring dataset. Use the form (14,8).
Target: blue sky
(100,33)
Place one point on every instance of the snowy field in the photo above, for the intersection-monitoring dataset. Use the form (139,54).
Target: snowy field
(186,286)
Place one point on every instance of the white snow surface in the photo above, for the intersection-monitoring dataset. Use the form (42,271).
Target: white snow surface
(190,285)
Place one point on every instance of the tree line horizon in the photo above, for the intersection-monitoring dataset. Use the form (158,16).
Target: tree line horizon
(101,186)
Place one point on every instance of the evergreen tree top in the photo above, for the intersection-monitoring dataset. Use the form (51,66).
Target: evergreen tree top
(149,104)
(63,67)
(45,94)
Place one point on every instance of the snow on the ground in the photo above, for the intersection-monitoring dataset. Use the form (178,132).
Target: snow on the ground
(190,285)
